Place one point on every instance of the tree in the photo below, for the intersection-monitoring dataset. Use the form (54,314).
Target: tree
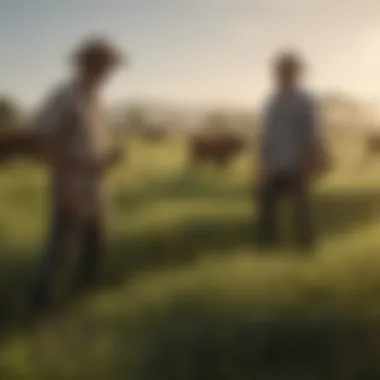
(9,118)
(9,112)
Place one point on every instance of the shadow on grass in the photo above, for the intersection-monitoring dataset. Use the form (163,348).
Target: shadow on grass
(186,242)
(334,214)
(15,283)
(180,190)
(180,245)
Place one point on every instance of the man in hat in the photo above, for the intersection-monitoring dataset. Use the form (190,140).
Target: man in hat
(73,130)
(290,151)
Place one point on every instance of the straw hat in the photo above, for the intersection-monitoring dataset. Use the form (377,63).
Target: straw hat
(289,60)
(97,50)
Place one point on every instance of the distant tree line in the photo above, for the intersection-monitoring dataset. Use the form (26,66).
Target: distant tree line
(10,112)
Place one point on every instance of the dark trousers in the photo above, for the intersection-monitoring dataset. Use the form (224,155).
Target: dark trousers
(66,230)
(275,187)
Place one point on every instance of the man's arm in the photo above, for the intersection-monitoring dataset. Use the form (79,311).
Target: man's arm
(102,165)
(314,147)
(264,139)
(50,126)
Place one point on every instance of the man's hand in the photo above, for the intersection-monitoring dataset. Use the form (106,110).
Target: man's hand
(261,169)
(113,157)
(317,164)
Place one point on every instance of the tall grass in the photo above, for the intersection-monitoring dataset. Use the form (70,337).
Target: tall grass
(185,293)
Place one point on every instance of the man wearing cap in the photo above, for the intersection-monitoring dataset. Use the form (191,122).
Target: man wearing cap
(73,130)
(290,151)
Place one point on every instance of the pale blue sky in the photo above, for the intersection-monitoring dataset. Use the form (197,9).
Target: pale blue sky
(196,51)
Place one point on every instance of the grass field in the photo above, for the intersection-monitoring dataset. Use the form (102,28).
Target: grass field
(186,295)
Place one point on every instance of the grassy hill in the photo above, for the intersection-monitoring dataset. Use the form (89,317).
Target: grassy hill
(185,293)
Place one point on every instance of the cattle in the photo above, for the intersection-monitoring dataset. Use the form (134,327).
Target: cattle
(371,148)
(20,142)
(154,135)
(218,148)
(26,143)
(373,144)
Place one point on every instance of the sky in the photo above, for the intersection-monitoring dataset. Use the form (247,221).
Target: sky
(206,52)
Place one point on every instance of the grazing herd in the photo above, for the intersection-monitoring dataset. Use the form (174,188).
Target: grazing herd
(218,149)
(372,144)
(154,135)
(19,142)
(204,147)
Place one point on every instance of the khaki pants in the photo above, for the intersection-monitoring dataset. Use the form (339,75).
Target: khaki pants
(89,233)
(273,188)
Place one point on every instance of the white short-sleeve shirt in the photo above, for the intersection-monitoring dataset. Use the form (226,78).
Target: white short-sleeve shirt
(77,123)
(290,124)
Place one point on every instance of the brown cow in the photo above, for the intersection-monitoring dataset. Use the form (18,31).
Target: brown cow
(22,142)
(27,143)
(13,142)
(218,149)
(373,144)
(371,147)
(154,135)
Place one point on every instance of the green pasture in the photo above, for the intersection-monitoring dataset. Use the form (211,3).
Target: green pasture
(185,293)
